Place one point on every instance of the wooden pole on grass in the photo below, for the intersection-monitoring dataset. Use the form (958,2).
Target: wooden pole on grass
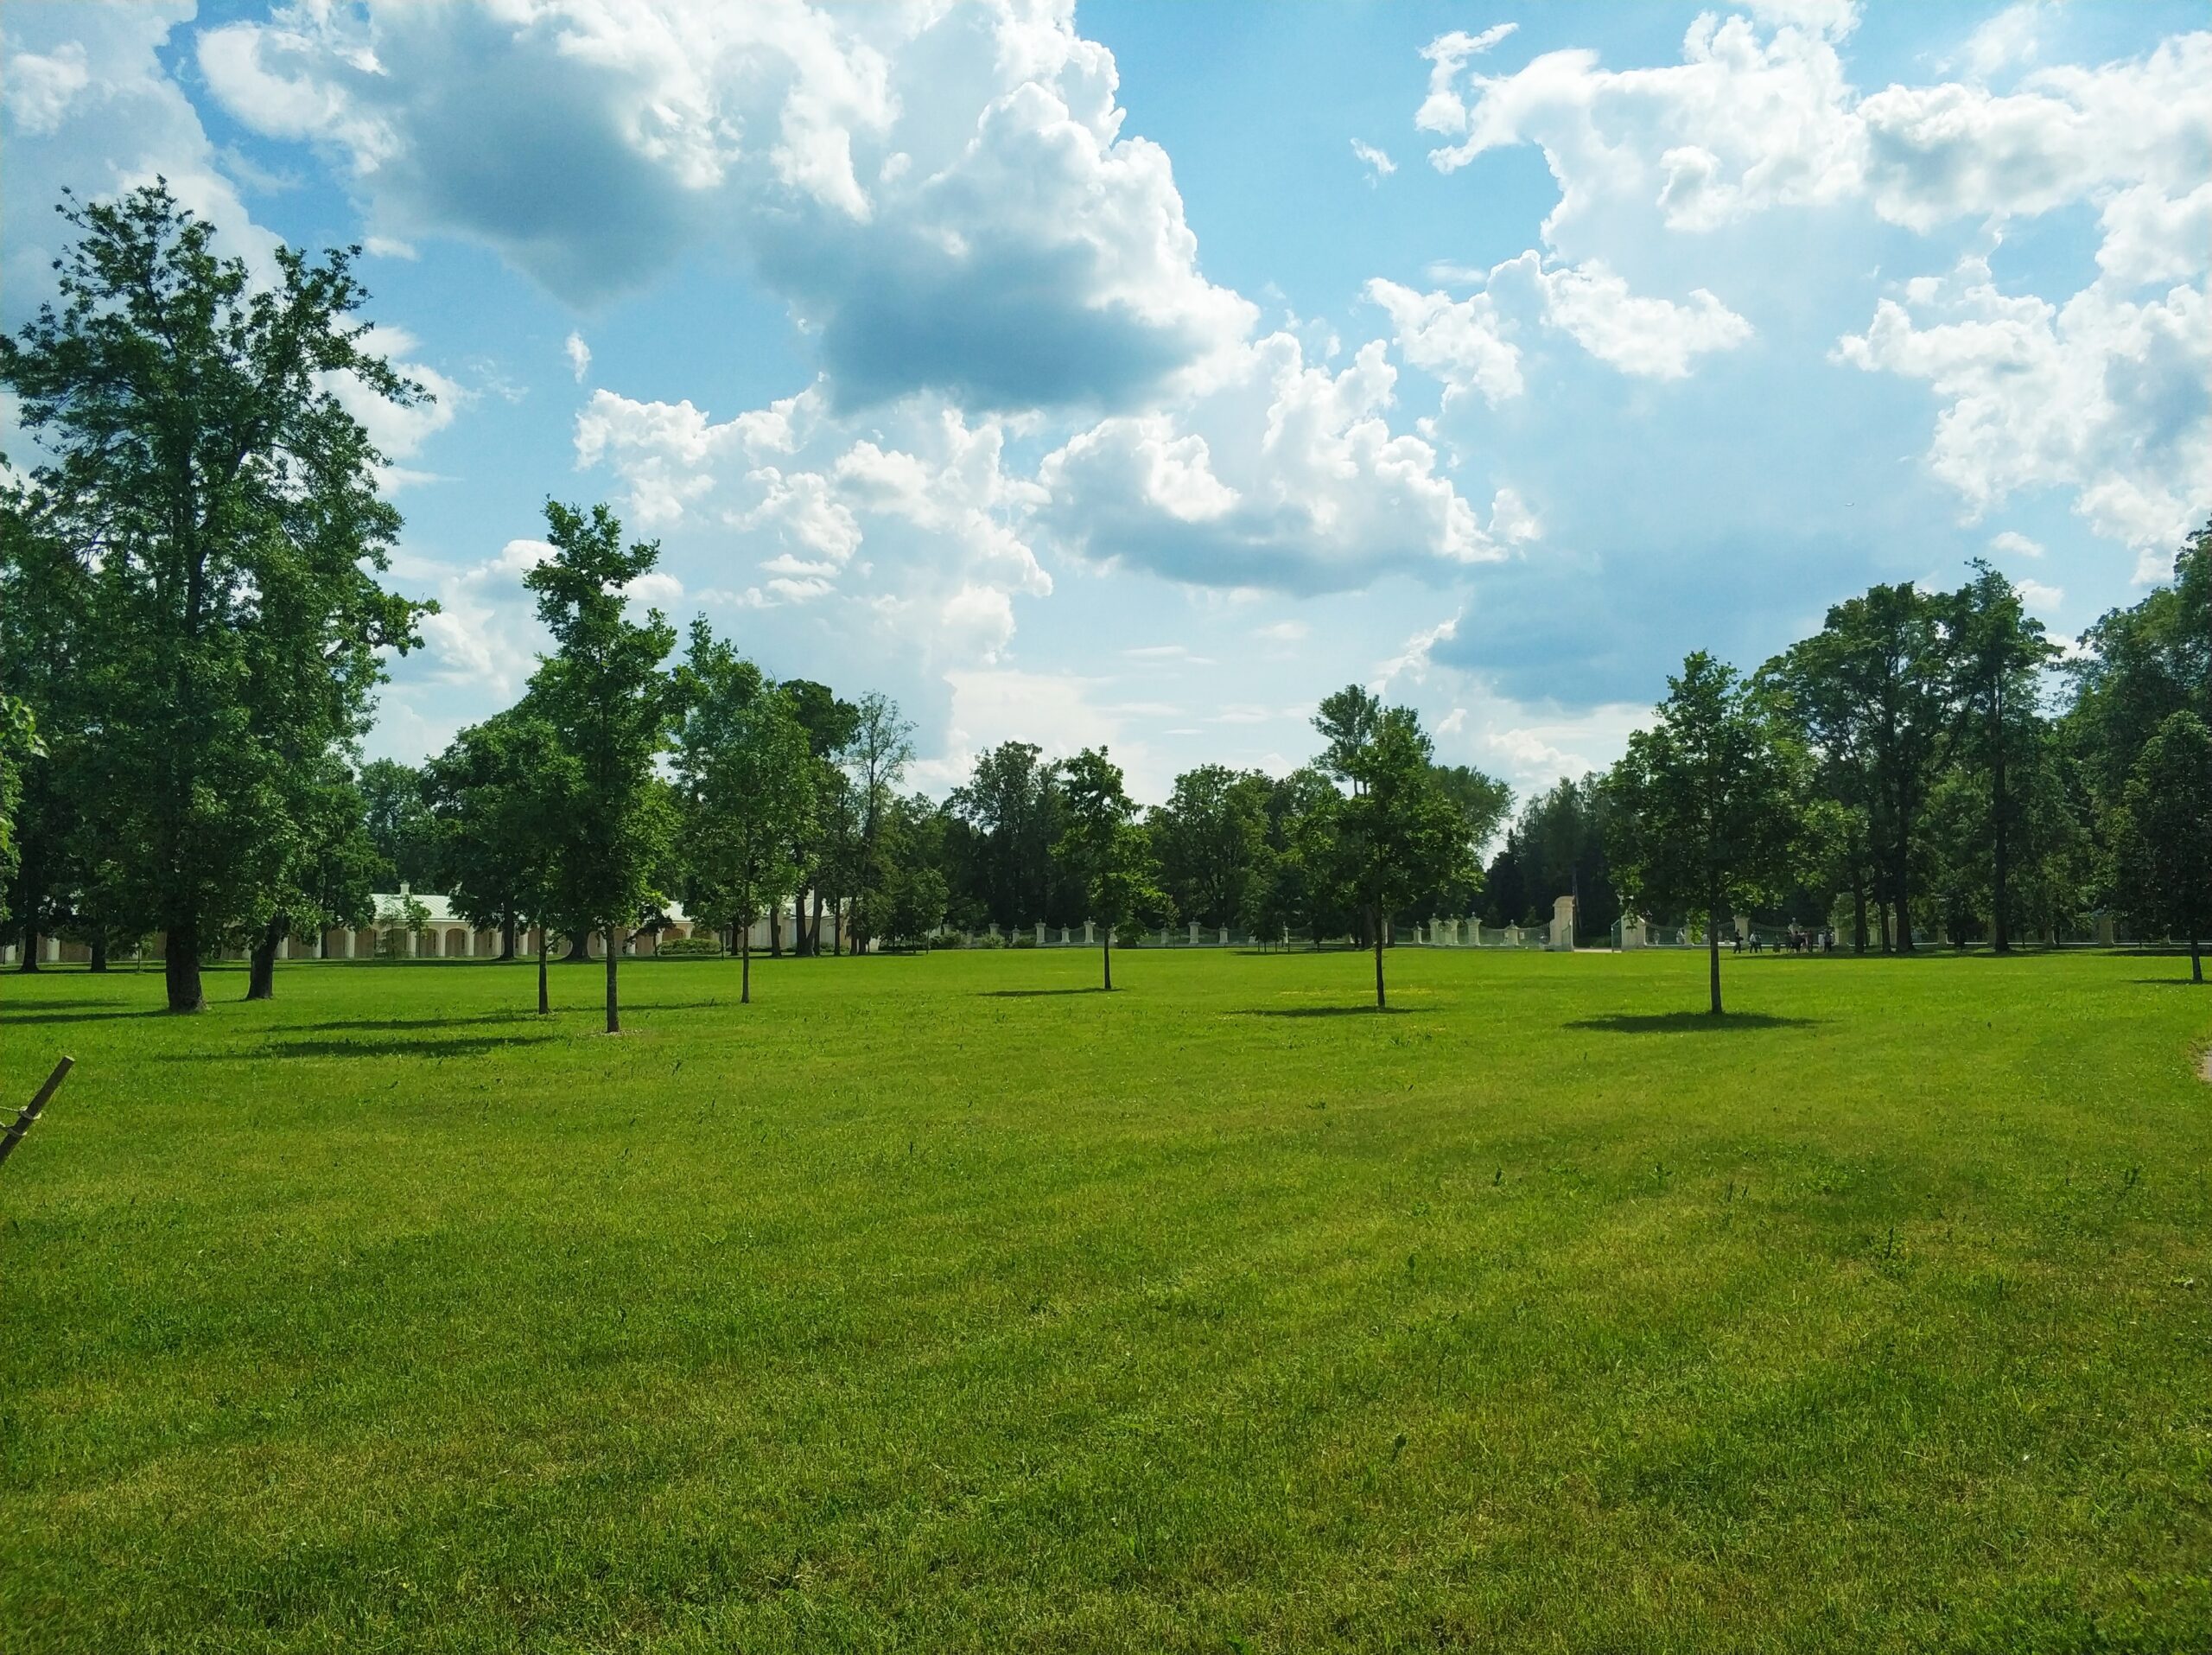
(32,1109)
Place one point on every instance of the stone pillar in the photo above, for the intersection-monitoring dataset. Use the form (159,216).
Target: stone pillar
(1631,930)
(1513,936)
(1194,934)
(1562,928)
(1090,936)
(1064,936)
(1041,934)
(1163,936)
(1225,936)
(346,944)
(49,951)
(2106,938)
(1744,928)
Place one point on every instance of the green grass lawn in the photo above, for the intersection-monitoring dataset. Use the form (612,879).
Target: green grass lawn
(937,1303)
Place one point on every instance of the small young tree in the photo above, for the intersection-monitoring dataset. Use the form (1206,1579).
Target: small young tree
(1704,816)
(2161,838)
(604,698)
(1401,834)
(1106,850)
(745,779)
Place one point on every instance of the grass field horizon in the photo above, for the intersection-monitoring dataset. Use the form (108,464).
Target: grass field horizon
(944,1302)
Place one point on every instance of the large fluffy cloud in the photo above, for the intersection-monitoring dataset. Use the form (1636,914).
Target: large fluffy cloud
(1468,343)
(88,105)
(2102,395)
(2102,392)
(910,529)
(1282,475)
(942,195)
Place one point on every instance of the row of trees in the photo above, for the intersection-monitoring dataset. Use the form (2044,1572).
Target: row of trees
(192,625)
(1904,760)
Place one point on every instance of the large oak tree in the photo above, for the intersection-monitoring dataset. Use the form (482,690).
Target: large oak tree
(223,504)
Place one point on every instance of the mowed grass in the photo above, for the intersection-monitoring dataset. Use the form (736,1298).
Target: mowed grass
(939,1304)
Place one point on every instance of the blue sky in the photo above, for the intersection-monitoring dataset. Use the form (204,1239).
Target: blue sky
(1139,373)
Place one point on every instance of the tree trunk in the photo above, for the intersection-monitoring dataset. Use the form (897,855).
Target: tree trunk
(544,1003)
(579,949)
(1106,958)
(814,934)
(1902,878)
(1381,1002)
(745,970)
(2195,959)
(261,974)
(613,956)
(181,967)
(2001,940)
(100,952)
(1859,917)
(31,940)
(507,935)
(776,929)
(1713,955)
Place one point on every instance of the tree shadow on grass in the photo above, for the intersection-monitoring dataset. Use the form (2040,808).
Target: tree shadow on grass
(1034,994)
(456,1045)
(2140,981)
(1690,1022)
(374,1025)
(11,1019)
(1324,1011)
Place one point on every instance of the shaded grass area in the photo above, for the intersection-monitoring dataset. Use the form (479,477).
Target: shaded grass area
(934,1302)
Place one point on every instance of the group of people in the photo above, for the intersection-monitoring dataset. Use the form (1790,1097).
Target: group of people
(1796,941)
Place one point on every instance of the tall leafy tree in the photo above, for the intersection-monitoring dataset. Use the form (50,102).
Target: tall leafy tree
(327,877)
(1298,884)
(20,745)
(402,824)
(1998,652)
(1210,836)
(224,504)
(2138,667)
(1706,811)
(908,894)
(1011,815)
(496,797)
(1347,720)
(826,856)
(44,673)
(1108,851)
(745,774)
(1872,690)
(607,705)
(1400,835)
(2163,835)
(875,755)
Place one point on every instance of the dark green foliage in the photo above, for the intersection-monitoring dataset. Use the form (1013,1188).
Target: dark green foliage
(1211,836)
(1401,836)
(220,506)
(1706,816)
(1107,853)
(2162,834)
(745,788)
(411,842)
